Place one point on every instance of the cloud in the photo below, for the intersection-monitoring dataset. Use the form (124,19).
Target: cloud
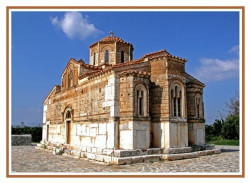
(213,69)
(234,49)
(74,25)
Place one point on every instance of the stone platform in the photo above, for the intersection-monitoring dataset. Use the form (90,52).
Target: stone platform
(21,140)
(122,157)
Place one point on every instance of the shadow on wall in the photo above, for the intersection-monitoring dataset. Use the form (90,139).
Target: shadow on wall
(155,101)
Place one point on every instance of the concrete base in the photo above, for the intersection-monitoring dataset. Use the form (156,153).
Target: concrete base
(122,157)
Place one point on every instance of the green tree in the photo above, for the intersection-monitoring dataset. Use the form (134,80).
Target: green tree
(230,128)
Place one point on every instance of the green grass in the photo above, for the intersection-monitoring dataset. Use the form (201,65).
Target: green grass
(222,141)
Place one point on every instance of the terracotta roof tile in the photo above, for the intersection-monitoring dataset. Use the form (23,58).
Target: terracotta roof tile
(110,39)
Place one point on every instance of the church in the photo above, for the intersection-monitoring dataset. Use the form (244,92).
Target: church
(121,104)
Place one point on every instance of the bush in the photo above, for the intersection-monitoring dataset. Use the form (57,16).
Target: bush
(221,141)
(230,129)
(36,132)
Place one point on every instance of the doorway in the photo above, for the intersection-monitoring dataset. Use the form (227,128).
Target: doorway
(68,131)
(47,136)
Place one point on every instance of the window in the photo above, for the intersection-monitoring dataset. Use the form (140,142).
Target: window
(131,55)
(176,101)
(122,56)
(106,57)
(198,106)
(141,101)
(68,115)
(94,58)
(70,79)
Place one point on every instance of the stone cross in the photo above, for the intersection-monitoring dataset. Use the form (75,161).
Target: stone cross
(111,33)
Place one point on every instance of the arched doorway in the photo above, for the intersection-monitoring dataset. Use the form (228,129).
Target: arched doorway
(68,126)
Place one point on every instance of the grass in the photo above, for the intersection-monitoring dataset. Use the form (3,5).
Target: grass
(222,141)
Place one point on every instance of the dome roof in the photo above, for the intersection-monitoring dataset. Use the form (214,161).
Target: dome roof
(110,39)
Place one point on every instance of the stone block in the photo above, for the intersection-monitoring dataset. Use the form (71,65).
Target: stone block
(142,142)
(76,153)
(202,153)
(151,158)
(99,151)
(89,149)
(126,139)
(108,152)
(209,152)
(126,153)
(172,157)
(67,151)
(137,159)
(92,132)
(154,151)
(83,154)
(190,155)
(84,148)
(102,129)
(99,158)
(177,150)
(93,149)
(217,151)
(100,141)
(122,161)
(107,159)
(91,156)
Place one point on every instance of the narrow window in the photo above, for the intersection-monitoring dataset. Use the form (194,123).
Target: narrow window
(174,106)
(131,55)
(122,56)
(68,115)
(140,104)
(94,58)
(198,111)
(106,57)
(179,105)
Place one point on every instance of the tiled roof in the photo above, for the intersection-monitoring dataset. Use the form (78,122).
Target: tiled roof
(87,74)
(87,65)
(110,39)
(191,79)
(133,62)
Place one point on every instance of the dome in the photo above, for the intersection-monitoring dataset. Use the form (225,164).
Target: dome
(111,39)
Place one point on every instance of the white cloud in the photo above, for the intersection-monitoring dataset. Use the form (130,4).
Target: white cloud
(234,49)
(216,69)
(74,25)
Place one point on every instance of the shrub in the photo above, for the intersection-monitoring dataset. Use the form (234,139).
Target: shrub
(36,132)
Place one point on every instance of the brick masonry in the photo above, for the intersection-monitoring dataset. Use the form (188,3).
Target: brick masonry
(146,103)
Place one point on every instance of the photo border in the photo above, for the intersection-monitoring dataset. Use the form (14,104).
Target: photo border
(242,23)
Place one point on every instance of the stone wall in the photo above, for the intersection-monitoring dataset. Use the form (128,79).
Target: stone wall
(21,140)
(94,107)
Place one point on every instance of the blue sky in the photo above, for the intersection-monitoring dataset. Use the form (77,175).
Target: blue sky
(43,42)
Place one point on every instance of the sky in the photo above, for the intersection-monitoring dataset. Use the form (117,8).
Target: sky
(43,42)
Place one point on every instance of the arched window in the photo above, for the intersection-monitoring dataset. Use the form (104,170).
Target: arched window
(70,79)
(68,115)
(122,56)
(198,106)
(141,100)
(106,57)
(94,58)
(176,101)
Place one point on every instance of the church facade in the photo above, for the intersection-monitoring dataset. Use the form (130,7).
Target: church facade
(120,103)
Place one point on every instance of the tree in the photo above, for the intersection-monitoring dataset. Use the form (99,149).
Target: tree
(230,128)
(233,105)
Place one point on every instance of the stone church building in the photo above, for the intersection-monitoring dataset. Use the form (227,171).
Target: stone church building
(120,103)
